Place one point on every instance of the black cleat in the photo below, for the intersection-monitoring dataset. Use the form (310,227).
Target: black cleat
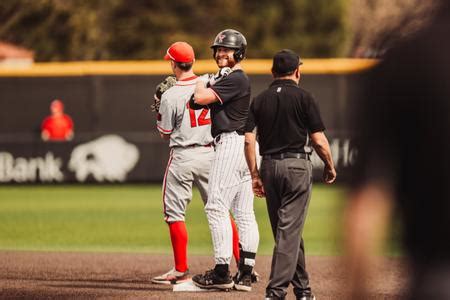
(255,277)
(273,297)
(306,295)
(211,280)
(242,282)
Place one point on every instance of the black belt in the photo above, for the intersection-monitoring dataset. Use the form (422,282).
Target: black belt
(194,146)
(286,155)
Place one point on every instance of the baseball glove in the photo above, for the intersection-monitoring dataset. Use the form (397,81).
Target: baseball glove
(166,84)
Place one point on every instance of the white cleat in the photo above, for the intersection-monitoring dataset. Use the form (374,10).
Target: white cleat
(171,277)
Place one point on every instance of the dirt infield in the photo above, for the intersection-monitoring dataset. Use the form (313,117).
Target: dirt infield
(54,275)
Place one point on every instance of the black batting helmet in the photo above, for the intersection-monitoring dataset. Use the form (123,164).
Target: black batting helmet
(233,39)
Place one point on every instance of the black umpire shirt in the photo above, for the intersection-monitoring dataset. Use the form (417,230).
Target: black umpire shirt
(230,113)
(285,114)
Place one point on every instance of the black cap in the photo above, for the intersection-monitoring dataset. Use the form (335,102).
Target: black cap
(285,61)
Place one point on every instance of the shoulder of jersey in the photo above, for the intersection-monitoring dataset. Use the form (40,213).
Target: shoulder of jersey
(239,75)
(169,92)
(203,77)
(292,86)
(304,91)
(239,72)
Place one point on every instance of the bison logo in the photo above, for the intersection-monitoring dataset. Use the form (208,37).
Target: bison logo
(108,158)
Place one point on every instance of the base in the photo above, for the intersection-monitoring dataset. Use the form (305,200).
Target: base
(189,286)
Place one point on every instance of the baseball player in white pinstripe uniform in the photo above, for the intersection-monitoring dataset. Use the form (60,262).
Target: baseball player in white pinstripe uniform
(191,154)
(230,185)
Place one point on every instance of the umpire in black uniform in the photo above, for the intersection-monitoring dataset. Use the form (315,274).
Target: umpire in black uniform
(286,119)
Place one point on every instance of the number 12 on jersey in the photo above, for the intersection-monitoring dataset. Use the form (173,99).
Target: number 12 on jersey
(199,120)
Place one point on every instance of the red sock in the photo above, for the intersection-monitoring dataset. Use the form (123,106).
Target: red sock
(179,238)
(235,240)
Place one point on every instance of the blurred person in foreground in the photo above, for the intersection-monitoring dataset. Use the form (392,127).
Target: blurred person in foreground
(58,126)
(403,163)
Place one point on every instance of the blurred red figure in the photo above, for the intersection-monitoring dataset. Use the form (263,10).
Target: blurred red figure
(58,126)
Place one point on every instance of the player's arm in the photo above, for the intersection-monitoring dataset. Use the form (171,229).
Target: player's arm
(322,147)
(204,95)
(69,133)
(250,153)
(45,135)
(166,118)
(195,106)
(250,157)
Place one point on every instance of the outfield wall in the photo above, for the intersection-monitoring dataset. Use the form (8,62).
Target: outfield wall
(115,137)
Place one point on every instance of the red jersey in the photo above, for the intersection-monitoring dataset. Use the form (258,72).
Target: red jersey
(58,127)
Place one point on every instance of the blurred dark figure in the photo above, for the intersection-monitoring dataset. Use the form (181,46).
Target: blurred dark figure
(58,126)
(404,162)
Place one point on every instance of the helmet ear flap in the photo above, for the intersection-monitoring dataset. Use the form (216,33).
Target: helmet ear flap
(239,54)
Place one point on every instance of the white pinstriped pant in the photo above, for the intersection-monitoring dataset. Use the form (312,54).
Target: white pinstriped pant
(230,188)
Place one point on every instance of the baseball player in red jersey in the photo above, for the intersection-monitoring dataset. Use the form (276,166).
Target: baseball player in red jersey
(230,185)
(191,154)
(58,126)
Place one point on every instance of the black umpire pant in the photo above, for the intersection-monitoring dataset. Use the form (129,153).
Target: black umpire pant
(287,183)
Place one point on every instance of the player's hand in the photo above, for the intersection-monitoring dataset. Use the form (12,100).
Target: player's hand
(45,135)
(329,174)
(69,136)
(222,73)
(258,188)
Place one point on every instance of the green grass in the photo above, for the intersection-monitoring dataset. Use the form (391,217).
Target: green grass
(128,218)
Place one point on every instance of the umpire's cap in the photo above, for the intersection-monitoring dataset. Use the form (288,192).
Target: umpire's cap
(285,61)
(233,39)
